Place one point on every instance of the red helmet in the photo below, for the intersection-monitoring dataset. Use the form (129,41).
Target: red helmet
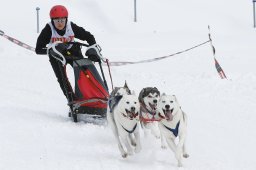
(58,11)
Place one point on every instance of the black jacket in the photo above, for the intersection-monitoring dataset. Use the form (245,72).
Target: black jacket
(45,37)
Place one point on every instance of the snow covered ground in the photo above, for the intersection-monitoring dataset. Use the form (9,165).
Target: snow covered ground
(36,132)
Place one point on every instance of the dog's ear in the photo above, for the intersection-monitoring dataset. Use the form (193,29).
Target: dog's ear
(133,92)
(125,85)
(163,94)
(157,91)
(127,88)
(175,98)
(141,95)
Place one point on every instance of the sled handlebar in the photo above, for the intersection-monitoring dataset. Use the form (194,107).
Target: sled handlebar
(90,46)
(78,43)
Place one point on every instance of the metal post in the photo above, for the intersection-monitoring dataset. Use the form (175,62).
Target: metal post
(254,22)
(37,9)
(135,11)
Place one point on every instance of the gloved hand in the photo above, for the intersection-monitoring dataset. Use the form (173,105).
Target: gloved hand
(93,53)
(62,48)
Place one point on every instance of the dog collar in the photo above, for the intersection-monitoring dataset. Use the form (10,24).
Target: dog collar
(130,131)
(174,131)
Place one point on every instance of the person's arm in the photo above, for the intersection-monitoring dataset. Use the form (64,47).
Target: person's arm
(82,34)
(43,39)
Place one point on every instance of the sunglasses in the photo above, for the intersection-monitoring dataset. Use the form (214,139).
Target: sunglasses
(59,20)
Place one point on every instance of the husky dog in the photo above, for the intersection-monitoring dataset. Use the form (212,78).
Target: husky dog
(173,125)
(148,99)
(123,117)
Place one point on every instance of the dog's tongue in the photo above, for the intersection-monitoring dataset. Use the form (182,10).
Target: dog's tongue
(169,115)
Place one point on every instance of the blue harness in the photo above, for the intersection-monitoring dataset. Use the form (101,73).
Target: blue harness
(174,131)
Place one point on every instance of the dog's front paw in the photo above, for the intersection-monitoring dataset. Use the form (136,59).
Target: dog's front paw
(133,143)
(157,135)
(163,146)
(137,149)
(124,155)
(185,155)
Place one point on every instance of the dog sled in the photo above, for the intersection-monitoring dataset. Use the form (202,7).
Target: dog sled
(91,90)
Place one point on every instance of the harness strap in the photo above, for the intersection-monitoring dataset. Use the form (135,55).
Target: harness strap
(130,131)
(148,120)
(174,131)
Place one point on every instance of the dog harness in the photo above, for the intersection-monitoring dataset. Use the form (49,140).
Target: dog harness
(130,131)
(174,131)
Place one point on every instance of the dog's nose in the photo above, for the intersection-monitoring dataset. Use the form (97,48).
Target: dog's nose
(167,106)
(132,109)
(155,101)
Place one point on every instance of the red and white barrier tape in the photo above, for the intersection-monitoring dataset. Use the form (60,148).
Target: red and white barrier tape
(121,63)
(17,41)
(217,65)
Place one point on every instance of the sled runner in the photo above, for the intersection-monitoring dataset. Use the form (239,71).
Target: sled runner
(91,92)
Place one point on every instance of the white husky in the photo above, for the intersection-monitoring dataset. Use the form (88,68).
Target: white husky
(174,125)
(124,121)
(148,99)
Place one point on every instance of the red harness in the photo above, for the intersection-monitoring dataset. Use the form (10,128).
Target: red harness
(153,119)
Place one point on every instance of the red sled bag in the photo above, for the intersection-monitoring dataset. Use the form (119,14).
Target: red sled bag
(90,89)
